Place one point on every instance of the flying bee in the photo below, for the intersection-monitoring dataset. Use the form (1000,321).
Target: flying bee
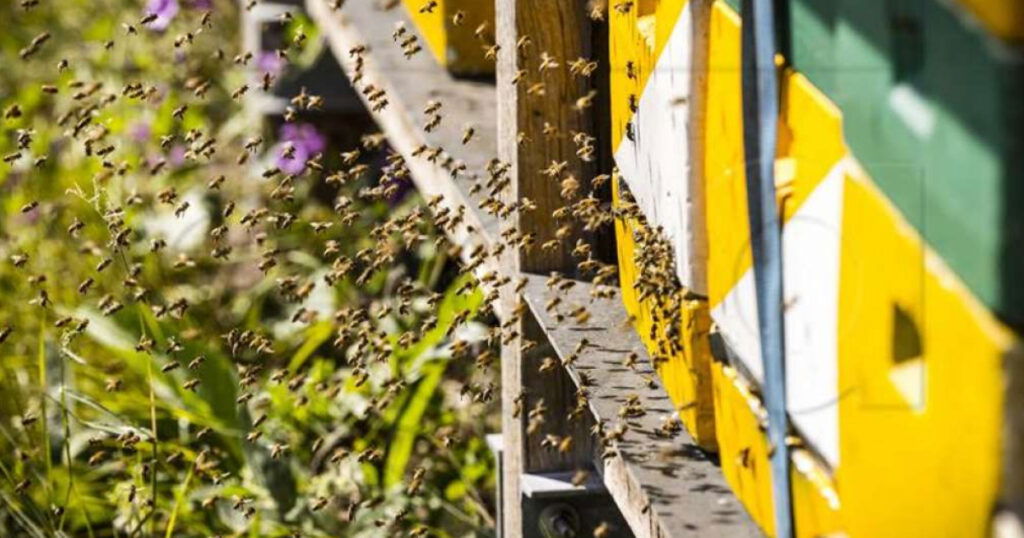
(491,52)
(432,123)
(318,504)
(83,288)
(623,7)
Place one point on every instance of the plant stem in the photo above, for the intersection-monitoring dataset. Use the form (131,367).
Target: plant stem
(156,442)
(67,438)
(179,498)
(43,391)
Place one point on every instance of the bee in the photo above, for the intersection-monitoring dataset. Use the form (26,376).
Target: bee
(429,6)
(34,45)
(582,67)
(491,52)
(277,450)
(467,134)
(585,102)
(318,504)
(416,482)
(432,123)
(623,7)
(482,32)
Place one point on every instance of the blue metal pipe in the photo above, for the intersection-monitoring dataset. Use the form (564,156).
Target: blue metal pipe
(760,124)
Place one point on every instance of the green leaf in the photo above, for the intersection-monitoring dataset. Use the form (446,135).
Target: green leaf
(315,337)
(401,445)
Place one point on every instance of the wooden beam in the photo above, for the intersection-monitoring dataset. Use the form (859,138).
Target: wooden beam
(663,484)
(538,115)
(537,121)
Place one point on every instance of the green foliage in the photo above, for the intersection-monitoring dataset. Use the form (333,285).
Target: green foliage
(149,387)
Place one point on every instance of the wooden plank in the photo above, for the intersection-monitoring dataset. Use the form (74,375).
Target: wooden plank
(554,390)
(665,486)
(537,121)
(538,115)
(410,84)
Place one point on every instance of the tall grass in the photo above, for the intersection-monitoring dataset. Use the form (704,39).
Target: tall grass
(153,382)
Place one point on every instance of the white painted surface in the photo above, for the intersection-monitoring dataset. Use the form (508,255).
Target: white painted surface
(915,111)
(811,250)
(656,166)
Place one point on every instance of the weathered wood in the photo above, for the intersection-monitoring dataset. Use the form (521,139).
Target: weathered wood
(665,486)
(536,122)
(555,390)
(409,85)
(538,40)
(1013,437)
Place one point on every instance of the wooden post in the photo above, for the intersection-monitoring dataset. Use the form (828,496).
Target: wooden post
(536,118)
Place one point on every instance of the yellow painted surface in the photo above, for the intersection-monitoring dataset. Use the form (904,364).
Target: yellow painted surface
(810,144)
(684,373)
(743,452)
(637,38)
(920,418)
(1004,18)
(455,47)
(919,434)
(725,194)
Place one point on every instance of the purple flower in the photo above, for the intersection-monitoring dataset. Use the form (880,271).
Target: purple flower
(165,10)
(204,5)
(306,141)
(270,62)
(176,156)
(140,131)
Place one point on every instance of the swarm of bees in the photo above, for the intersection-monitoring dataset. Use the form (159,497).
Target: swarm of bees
(249,234)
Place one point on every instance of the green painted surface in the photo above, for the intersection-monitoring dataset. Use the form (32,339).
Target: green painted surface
(934,110)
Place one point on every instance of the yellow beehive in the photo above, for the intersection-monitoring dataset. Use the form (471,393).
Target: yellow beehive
(673,323)
(885,409)
(682,357)
(458,32)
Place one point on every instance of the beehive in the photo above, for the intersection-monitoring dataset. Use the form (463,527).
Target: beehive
(894,336)
(457,33)
(650,80)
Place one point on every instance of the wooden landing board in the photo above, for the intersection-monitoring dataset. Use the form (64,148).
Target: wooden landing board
(665,487)
(410,84)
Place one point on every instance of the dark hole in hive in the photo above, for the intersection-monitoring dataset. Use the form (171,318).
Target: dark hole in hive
(906,337)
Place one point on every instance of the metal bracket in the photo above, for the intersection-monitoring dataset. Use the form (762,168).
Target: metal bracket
(554,507)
